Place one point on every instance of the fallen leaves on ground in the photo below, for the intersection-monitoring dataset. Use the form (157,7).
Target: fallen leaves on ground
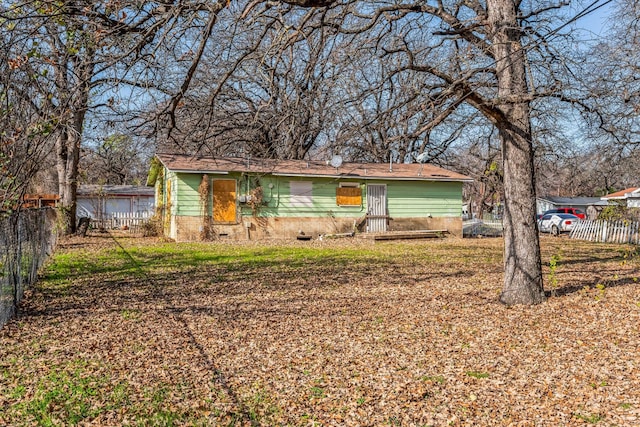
(336,333)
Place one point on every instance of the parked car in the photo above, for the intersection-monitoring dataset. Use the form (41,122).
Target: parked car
(573,211)
(556,223)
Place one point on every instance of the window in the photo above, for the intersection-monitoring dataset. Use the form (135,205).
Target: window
(301,194)
(349,194)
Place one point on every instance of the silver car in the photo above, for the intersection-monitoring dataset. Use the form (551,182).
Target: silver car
(556,223)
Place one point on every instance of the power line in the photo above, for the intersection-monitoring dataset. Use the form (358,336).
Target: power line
(586,11)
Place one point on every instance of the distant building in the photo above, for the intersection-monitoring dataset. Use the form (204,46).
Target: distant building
(590,205)
(40,201)
(103,201)
(629,197)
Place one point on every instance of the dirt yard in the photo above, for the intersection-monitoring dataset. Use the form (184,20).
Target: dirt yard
(336,333)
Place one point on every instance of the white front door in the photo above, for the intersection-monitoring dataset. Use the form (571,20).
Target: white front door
(376,208)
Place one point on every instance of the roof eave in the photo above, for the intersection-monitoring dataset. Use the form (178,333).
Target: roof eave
(373,177)
(318,175)
(201,171)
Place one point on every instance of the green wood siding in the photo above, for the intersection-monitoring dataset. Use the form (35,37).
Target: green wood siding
(188,197)
(323,198)
(405,199)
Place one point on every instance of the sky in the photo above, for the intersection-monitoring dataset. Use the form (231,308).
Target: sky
(598,21)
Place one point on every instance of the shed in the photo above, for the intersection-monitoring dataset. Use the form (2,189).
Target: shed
(246,198)
(103,201)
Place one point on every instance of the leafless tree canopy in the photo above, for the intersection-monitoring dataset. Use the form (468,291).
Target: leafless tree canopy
(373,81)
(67,58)
(23,132)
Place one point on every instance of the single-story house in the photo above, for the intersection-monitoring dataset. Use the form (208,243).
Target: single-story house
(257,198)
(590,205)
(103,201)
(630,197)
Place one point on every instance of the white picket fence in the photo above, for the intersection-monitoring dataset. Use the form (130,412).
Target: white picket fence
(122,221)
(619,231)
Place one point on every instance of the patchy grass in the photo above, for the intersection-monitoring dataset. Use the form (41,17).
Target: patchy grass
(346,332)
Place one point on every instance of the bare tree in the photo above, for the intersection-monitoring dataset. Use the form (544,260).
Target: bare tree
(23,130)
(471,54)
(73,49)
(593,170)
(596,157)
(493,61)
(117,159)
(436,69)
(264,97)
(613,78)
(482,160)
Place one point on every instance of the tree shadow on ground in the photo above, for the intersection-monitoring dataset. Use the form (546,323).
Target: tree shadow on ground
(573,288)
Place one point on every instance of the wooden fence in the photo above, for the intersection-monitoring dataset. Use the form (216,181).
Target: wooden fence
(122,221)
(619,231)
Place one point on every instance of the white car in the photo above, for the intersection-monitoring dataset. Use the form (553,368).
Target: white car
(556,223)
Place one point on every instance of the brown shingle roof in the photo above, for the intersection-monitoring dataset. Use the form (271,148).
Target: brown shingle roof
(114,190)
(398,171)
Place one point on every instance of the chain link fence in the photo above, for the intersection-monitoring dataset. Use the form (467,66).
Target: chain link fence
(479,228)
(27,238)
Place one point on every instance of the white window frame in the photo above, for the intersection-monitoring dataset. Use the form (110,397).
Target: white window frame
(301,194)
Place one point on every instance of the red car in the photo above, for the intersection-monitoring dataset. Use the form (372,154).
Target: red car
(573,211)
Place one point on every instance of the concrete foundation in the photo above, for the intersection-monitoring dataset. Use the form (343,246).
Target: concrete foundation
(189,229)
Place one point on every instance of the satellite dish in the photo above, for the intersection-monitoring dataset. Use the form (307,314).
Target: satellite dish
(336,161)
(423,157)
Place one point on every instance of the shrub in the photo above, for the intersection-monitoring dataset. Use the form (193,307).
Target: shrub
(153,227)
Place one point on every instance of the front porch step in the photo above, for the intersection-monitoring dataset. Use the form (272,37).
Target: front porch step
(402,235)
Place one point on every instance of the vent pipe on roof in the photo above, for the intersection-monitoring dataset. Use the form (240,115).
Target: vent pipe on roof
(390,162)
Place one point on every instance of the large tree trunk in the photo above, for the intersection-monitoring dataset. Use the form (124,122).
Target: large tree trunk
(523,267)
(73,81)
(67,168)
(67,161)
